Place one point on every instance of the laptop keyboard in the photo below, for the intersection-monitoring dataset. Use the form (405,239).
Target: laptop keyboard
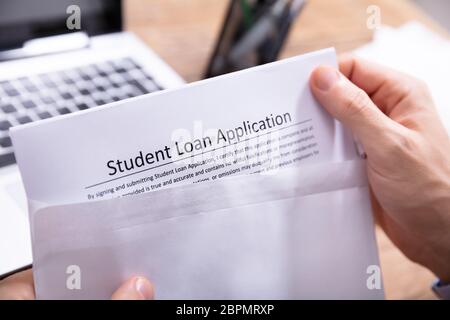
(43,96)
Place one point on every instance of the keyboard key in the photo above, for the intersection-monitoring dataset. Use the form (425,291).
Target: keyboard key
(137,74)
(82,106)
(137,85)
(48,100)
(66,78)
(44,115)
(12,92)
(118,68)
(5,142)
(85,77)
(91,104)
(128,77)
(63,110)
(67,95)
(47,81)
(99,102)
(106,84)
(90,70)
(103,70)
(97,95)
(28,84)
(100,81)
(29,104)
(149,77)
(6,85)
(151,86)
(103,74)
(8,108)
(85,92)
(68,81)
(5,125)
(128,63)
(31,88)
(116,78)
(24,119)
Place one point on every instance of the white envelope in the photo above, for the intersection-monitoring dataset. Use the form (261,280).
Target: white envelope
(299,234)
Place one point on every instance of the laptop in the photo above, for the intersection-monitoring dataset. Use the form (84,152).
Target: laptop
(58,57)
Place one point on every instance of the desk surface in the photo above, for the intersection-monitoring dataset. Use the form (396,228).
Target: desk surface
(183,33)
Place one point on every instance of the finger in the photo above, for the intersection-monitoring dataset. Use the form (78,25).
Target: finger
(385,86)
(19,286)
(136,288)
(349,104)
(367,75)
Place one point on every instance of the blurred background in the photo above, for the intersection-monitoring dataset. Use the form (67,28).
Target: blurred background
(183,32)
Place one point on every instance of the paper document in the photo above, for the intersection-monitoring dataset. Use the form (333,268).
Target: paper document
(204,131)
(239,186)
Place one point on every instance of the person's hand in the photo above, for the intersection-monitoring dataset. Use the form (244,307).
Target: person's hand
(135,288)
(408,153)
(20,286)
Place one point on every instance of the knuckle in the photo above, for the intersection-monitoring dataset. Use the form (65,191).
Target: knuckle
(357,104)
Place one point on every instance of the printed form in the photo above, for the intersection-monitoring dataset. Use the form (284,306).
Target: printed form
(255,121)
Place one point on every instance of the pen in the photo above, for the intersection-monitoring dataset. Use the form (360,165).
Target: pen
(257,34)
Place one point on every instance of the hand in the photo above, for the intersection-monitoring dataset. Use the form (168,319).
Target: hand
(20,286)
(408,154)
(136,288)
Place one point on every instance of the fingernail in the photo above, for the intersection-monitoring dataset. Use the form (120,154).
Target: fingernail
(325,77)
(144,287)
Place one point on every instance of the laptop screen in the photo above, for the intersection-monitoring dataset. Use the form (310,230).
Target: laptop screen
(22,20)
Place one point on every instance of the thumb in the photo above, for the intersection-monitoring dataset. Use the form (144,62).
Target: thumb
(348,104)
(136,288)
